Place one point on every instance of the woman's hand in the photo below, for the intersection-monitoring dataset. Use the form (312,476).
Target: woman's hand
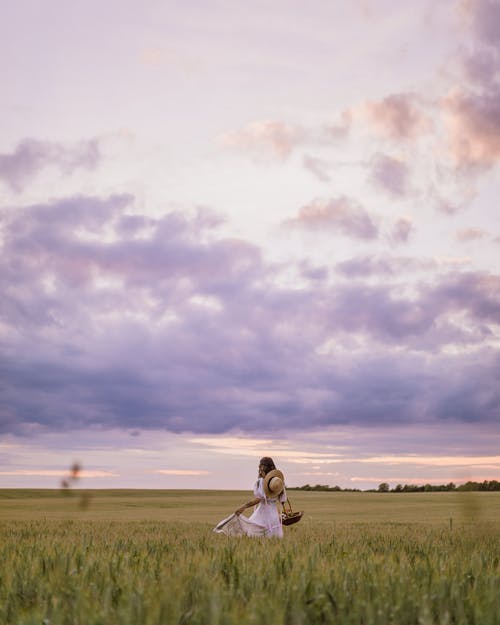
(254,502)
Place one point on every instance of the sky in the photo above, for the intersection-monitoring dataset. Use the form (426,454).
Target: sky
(233,229)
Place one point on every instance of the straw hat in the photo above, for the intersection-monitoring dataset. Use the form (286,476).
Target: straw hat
(274,483)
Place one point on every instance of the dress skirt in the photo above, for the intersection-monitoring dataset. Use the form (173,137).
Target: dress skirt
(265,520)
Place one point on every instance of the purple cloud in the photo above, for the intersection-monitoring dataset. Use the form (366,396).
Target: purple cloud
(476,294)
(424,322)
(481,66)
(485,16)
(31,156)
(166,325)
(366,266)
(318,167)
(390,174)
(401,231)
(469,397)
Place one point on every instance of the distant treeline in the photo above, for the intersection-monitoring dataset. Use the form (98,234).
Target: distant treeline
(324,487)
(492,485)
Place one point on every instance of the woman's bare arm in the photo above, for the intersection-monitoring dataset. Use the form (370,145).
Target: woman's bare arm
(249,504)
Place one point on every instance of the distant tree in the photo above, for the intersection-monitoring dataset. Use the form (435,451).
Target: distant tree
(383,488)
(412,488)
(398,488)
(469,486)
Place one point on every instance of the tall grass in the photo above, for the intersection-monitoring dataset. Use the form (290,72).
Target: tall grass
(143,573)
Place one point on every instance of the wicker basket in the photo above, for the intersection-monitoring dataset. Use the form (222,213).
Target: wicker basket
(288,516)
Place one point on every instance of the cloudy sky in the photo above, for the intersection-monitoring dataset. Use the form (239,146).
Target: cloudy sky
(231,229)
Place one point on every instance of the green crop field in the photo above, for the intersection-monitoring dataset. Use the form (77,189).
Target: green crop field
(150,557)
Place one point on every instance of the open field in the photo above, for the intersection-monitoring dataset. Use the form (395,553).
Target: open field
(210,506)
(149,557)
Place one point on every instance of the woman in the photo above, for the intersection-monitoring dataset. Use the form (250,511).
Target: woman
(269,491)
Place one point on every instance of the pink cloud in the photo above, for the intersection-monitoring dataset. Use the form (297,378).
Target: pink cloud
(397,116)
(268,137)
(474,128)
(340,214)
(472,112)
(340,129)
(57,473)
(470,234)
(183,472)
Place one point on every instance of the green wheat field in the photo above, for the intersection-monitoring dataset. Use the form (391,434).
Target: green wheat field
(150,557)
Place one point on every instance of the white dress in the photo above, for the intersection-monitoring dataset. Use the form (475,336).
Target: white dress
(266,513)
(265,520)
(239,525)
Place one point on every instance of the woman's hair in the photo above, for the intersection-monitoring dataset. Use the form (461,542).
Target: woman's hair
(267,464)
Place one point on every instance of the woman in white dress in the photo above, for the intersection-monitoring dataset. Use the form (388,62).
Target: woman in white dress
(269,492)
